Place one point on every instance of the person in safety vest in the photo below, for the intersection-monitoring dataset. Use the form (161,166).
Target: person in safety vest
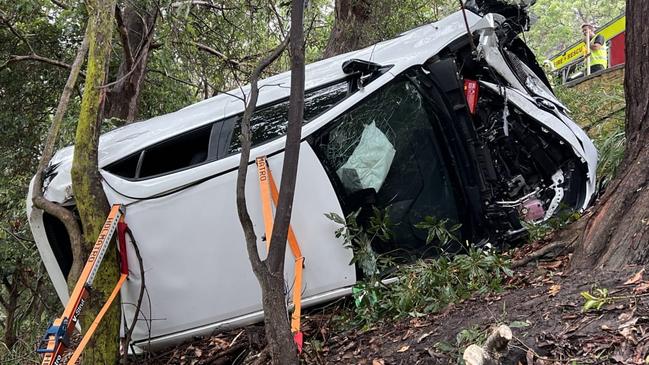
(597,53)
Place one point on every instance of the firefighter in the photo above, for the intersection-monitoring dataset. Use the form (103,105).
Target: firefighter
(597,53)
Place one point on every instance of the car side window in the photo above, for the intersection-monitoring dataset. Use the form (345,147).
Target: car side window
(182,151)
(220,139)
(268,123)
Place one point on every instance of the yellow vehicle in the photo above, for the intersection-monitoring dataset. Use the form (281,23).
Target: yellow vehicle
(568,64)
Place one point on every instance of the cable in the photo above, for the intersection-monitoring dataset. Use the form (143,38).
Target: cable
(466,23)
(129,330)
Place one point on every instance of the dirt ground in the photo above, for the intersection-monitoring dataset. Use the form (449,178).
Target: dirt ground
(541,303)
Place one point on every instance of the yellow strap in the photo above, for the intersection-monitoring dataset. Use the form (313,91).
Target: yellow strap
(264,189)
(95,323)
(80,290)
(268,189)
(297,295)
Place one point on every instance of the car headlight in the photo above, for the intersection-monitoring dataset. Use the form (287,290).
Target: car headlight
(531,81)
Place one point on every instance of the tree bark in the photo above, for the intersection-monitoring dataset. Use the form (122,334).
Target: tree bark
(86,184)
(278,333)
(10,306)
(617,233)
(136,33)
(351,29)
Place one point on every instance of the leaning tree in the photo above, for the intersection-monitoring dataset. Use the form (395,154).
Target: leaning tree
(617,231)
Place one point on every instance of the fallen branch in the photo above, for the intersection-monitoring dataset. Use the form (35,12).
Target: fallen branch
(542,252)
(223,357)
(263,358)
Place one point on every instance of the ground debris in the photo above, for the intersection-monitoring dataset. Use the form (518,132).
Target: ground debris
(542,305)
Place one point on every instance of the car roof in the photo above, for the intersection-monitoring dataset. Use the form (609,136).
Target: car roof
(410,48)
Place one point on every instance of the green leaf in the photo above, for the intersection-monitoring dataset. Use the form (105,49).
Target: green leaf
(520,324)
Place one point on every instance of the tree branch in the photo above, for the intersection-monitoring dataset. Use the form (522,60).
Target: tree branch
(123,35)
(35,57)
(284,209)
(242,209)
(214,52)
(15,236)
(166,74)
(60,4)
(561,246)
(63,214)
(208,4)
(15,32)
(140,56)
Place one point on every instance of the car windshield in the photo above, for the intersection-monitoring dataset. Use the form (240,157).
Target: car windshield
(384,151)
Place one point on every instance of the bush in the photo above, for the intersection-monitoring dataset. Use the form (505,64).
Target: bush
(422,287)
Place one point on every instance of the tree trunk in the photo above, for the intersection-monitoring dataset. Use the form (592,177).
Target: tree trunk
(617,232)
(86,184)
(278,331)
(276,321)
(136,30)
(10,305)
(352,28)
(270,272)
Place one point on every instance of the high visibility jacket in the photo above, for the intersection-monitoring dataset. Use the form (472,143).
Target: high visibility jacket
(599,57)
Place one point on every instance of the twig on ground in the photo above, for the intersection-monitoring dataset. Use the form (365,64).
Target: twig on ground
(545,250)
(263,357)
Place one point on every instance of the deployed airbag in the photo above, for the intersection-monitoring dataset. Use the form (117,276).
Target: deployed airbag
(369,164)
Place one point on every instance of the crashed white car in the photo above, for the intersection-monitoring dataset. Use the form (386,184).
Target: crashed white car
(432,123)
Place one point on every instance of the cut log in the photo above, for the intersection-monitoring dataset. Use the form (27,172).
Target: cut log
(493,349)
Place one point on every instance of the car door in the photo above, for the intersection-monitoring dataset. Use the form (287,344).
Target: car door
(198,275)
(386,152)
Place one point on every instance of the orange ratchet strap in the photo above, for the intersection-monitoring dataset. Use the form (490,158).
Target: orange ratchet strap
(56,339)
(268,190)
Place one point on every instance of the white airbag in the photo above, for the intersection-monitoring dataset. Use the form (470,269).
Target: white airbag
(369,164)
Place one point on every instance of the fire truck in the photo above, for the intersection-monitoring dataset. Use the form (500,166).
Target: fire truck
(569,64)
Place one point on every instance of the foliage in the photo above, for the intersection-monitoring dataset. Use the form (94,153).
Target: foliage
(437,230)
(539,231)
(430,285)
(28,95)
(422,287)
(595,300)
(599,107)
(359,238)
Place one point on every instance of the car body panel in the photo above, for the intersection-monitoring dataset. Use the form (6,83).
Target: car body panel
(187,259)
